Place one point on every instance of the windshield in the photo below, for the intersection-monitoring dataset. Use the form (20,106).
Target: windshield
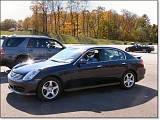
(67,55)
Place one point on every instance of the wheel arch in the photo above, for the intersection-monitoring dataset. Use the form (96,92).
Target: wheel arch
(52,76)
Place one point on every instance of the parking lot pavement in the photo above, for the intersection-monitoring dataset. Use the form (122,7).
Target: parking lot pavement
(141,101)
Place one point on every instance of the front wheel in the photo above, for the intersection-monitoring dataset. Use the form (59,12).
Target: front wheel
(49,89)
(128,80)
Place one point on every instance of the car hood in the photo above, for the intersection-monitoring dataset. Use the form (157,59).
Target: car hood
(25,68)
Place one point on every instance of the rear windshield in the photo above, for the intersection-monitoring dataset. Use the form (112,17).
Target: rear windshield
(14,42)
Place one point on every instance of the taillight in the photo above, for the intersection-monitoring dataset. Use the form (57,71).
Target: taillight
(141,62)
(1,51)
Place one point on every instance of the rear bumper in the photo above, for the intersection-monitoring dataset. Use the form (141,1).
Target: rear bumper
(141,74)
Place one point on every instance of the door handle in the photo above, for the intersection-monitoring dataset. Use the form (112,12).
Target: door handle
(99,66)
(124,63)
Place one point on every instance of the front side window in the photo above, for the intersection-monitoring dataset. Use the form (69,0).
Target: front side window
(14,42)
(92,56)
(112,54)
(36,43)
(52,44)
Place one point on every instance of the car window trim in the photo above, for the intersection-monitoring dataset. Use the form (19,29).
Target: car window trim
(74,63)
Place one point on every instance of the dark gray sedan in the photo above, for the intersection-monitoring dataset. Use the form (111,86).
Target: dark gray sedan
(76,68)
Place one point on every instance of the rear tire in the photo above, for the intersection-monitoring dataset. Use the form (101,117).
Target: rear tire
(149,51)
(128,80)
(127,49)
(49,89)
(144,50)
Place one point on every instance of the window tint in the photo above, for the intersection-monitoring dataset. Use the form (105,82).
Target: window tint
(112,54)
(92,56)
(36,43)
(14,42)
(52,44)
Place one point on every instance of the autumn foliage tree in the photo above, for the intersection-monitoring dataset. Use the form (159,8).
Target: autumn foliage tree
(73,18)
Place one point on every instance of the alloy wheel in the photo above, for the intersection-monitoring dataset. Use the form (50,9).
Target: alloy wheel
(50,89)
(129,80)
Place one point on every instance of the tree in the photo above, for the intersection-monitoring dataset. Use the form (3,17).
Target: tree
(52,17)
(8,23)
(27,23)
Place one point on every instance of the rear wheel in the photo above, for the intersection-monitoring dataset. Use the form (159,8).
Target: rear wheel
(128,80)
(144,50)
(127,49)
(49,89)
(149,51)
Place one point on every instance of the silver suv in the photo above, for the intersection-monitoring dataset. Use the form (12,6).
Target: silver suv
(19,48)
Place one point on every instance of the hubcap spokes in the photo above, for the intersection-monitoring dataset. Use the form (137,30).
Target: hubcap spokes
(129,80)
(50,89)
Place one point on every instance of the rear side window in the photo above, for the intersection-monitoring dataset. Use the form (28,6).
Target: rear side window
(14,42)
(112,54)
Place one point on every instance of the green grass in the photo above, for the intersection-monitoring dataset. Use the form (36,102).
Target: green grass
(68,39)
(16,32)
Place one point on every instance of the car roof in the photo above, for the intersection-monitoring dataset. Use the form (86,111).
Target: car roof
(29,36)
(86,47)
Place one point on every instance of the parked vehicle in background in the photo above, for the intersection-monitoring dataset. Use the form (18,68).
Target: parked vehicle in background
(19,48)
(84,67)
(1,50)
(150,43)
(141,48)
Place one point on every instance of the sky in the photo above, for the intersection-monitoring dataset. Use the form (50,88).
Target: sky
(21,9)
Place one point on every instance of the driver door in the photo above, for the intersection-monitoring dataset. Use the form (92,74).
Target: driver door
(86,74)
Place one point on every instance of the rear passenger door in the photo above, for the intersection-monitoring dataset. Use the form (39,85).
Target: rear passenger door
(114,65)
(36,48)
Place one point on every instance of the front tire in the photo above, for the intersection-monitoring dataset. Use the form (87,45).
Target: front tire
(128,80)
(49,89)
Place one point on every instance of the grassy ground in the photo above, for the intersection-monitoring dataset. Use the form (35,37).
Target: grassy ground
(16,32)
(68,39)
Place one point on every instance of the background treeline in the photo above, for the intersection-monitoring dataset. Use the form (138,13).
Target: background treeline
(74,18)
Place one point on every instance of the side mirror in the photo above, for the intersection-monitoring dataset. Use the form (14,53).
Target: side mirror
(82,61)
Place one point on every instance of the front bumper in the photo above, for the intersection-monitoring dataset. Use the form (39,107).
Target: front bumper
(23,87)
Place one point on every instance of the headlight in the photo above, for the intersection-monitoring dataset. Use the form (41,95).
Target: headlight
(30,75)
